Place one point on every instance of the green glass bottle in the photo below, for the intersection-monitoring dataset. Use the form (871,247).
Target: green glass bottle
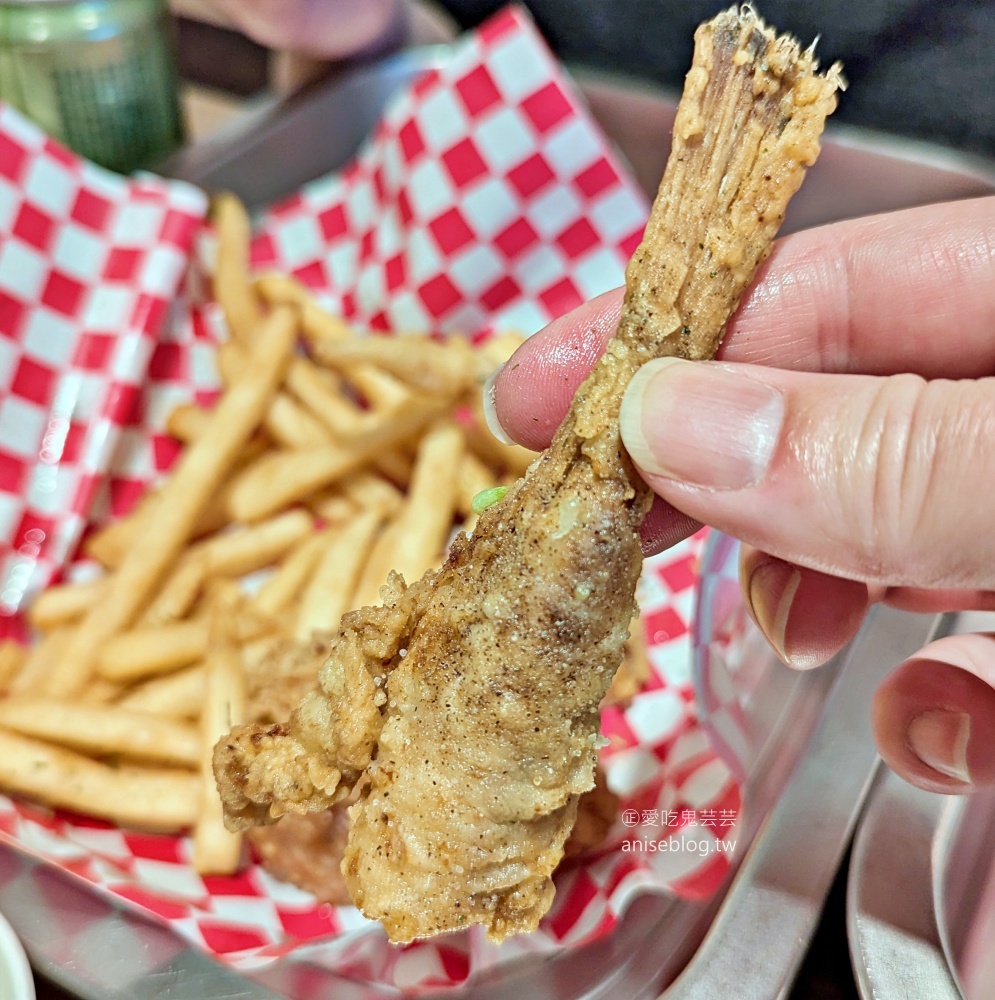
(98,75)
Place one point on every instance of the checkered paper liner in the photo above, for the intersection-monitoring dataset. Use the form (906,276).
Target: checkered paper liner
(89,263)
(485,199)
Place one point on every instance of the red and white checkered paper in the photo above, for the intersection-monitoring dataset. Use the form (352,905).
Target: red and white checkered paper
(89,264)
(486,199)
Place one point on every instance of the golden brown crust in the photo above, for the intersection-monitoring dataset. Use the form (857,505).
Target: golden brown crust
(634,670)
(596,814)
(279,680)
(307,851)
(470,700)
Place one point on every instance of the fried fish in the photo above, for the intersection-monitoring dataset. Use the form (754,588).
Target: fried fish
(469,700)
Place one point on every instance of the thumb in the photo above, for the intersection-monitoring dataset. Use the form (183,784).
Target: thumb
(885,480)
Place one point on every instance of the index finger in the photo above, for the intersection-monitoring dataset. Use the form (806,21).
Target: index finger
(910,291)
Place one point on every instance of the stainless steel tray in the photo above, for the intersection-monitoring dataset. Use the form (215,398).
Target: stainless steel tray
(921,886)
(816,761)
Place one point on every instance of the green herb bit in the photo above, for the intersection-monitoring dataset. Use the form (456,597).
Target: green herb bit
(487,498)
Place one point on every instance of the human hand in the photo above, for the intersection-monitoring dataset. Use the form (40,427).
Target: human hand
(325,29)
(856,471)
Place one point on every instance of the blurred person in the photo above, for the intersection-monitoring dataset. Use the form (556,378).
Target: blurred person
(917,68)
(323,29)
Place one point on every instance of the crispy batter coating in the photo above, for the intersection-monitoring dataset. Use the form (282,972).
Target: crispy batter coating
(597,811)
(307,849)
(278,681)
(634,670)
(470,699)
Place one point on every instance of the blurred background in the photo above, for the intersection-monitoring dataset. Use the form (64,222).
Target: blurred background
(917,68)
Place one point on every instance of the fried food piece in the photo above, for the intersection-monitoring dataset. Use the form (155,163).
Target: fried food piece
(634,670)
(279,680)
(596,814)
(307,852)
(304,850)
(470,699)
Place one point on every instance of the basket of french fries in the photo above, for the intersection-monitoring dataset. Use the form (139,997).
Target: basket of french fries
(232,477)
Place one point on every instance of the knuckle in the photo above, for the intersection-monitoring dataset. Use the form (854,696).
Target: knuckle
(918,446)
(887,468)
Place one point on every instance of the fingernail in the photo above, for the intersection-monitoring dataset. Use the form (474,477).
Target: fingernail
(701,423)
(939,739)
(490,409)
(771,592)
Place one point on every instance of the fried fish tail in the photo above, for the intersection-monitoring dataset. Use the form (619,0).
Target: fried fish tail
(315,759)
(472,702)
(748,126)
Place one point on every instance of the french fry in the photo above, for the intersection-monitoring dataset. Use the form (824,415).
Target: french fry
(215,850)
(181,499)
(396,465)
(101,691)
(428,513)
(40,661)
(424,364)
(322,394)
(283,478)
(244,550)
(176,641)
(111,542)
(187,421)
(256,652)
(230,359)
(101,730)
(330,591)
(248,623)
(291,426)
(282,588)
(214,516)
(367,490)
(157,649)
(225,554)
(282,289)
(150,661)
(179,695)
(634,670)
(13,656)
(332,506)
(380,389)
(287,422)
(320,328)
(415,539)
(179,592)
(232,284)
(64,603)
(157,799)
(319,324)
